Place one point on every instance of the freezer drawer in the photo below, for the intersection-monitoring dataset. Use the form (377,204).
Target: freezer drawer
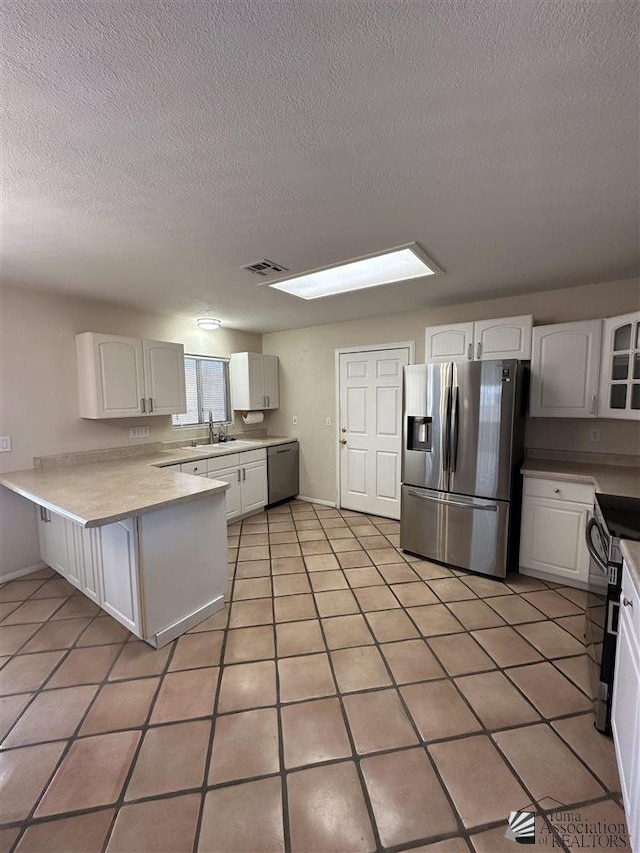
(471,533)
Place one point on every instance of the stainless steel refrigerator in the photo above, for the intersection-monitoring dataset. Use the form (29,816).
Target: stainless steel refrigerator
(462,452)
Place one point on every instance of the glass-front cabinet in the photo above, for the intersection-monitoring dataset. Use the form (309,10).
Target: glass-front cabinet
(620,367)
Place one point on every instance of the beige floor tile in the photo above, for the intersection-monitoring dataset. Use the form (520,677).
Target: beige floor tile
(7,607)
(514,609)
(407,798)
(428,570)
(19,590)
(53,715)
(77,607)
(287,565)
(438,710)
(247,685)
(253,569)
(253,552)
(92,773)
(161,826)
(607,813)
(551,604)
(506,646)
(344,543)
(434,619)
(354,560)
(249,644)
(548,690)
(25,772)
(307,523)
(577,596)
(306,677)
(120,705)
(311,536)
(10,709)
(171,758)
(281,526)
(314,731)
(285,549)
(85,666)
(186,695)
(359,668)
(485,587)
(291,584)
(384,556)
(244,818)
(370,543)
(495,700)
(333,523)
(378,721)
(219,620)
(347,631)
(460,654)
(26,673)
(14,637)
(80,834)
(327,811)
(245,745)
(551,640)
(320,546)
(364,576)
(297,638)
(246,613)
(575,625)
(196,650)
(338,602)
(595,749)
(323,581)
(56,635)
(252,588)
(465,766)
(390,625)
(414,594)
(139,660)
(249,539)
(292,608)
(411,660)
(321,563)
(475,615)
(376,598)
(546,766)
(578,671)
(451,589)
(447,845)
(524,583)
(33,611)
(103,631)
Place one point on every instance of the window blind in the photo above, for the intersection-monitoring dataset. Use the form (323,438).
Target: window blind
(207,385)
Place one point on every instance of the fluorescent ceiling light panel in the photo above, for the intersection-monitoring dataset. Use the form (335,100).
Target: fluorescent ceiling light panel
(401,264)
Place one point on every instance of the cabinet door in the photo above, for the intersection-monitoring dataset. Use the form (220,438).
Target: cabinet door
(73,553)
(233,497)
(119,376)
(453,342)
(625,719)
(88,555)
(271,389)
(53,545)
(620,371)
(247,381)
(507,337)
(164,377)
(254,486)
(565,367)
(552,538)
(119,581)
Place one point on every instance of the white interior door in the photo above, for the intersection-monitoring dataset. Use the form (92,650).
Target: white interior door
(370,395)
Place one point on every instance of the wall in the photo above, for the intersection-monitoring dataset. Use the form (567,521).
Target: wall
(307,367)
(39,397)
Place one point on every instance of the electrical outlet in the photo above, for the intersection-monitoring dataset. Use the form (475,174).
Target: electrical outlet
(5,443)
(295,420)
(139,432)
(327,421)
(595,435)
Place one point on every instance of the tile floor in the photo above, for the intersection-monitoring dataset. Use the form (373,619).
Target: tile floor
(349,698)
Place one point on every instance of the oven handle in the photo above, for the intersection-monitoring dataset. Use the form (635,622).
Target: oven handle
(591,548)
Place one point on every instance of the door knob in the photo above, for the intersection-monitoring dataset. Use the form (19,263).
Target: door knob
(343,441)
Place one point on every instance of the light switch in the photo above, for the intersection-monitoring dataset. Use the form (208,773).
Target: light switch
(5,443)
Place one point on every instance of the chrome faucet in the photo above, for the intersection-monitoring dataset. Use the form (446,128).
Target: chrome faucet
(211,435)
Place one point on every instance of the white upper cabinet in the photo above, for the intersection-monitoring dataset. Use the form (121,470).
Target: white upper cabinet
(122,377)
(254,381)
(565,368)
(505,337)
(620,370)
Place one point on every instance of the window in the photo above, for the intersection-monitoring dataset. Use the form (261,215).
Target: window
(207,381)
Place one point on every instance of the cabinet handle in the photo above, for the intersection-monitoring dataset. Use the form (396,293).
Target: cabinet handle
(239,475)
(244,474)
(150,404)
(470,352)
(45,515)
(479,350)
(594,404)
(627,602)
(268,401)
(143,405)
(557,491)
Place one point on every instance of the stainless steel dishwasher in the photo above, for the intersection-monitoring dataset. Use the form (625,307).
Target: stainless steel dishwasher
(283,471)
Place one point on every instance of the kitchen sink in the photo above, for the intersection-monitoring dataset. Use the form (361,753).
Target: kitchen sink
(222,446)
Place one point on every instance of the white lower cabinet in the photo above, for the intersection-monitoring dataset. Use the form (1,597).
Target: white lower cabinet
(246,474)
(233,495)
(552,537)
(253,486)
(625,713)
(119,570)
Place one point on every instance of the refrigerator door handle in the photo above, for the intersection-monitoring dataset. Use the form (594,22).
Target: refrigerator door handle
(444,438)
(453,430)
(483,507)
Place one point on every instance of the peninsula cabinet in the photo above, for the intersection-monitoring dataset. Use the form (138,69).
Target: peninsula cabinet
(254,381)
(620,371)
(565,370)
(625,713)
(158,574)
(122,377)
(483,340)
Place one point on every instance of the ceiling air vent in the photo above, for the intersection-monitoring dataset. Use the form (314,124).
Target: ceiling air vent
(264,267)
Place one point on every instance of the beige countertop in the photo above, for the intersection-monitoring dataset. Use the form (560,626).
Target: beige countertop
(98,493)
(631,553)
(608,479)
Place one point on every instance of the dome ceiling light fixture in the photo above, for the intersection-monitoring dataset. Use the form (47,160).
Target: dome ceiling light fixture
(209,323)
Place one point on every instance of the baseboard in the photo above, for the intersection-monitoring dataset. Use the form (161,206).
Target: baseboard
(315,501)
(549,576)
(20,573)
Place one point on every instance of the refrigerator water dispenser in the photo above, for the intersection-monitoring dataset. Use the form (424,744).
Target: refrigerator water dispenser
(419,433)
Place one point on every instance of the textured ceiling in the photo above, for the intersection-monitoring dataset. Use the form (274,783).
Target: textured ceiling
(152,148)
